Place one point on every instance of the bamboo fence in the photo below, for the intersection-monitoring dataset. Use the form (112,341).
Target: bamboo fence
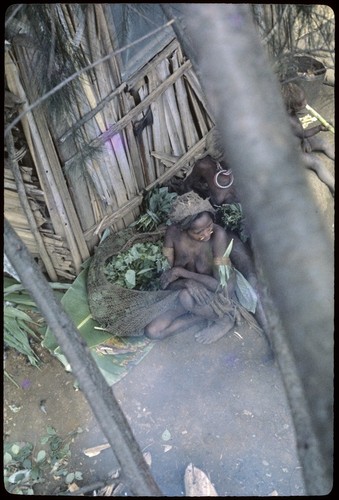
(67,207)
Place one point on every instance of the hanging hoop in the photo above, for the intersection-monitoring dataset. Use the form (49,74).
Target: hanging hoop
(223,172)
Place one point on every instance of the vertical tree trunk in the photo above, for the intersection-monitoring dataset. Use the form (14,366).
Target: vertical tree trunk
(295,248)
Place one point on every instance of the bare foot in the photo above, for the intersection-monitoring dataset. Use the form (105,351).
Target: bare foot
(215,331)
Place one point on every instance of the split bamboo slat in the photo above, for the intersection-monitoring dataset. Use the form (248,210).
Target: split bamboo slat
(28,238)
(47,166)
(131,145)
(26,173)
(119,140)
(173,124)
(78,188)
(31,189)
(196,150)
(190,133)
(32,224)
(135,202)
(91,114)
(145,141)
(74,234)
(17,218)
(158,137)
(91,128)
(199,102)
(151,65)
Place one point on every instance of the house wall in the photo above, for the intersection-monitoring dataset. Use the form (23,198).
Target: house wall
(82,195)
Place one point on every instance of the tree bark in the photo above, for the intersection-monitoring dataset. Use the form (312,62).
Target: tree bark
(295,248)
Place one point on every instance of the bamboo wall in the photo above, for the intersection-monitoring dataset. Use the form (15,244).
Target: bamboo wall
(72,206)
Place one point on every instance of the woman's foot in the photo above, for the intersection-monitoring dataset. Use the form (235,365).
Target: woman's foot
(215,331)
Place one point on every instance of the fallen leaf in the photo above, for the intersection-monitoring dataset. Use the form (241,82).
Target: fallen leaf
(166,435)
(92,452)
(73,487)
(167,447)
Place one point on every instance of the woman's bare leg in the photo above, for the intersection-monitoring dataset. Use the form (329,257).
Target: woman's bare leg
(174,321)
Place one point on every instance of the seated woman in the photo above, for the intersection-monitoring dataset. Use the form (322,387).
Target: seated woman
(295,101)
(195,246)
(211,177)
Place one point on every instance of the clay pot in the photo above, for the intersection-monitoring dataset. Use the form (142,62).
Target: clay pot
(306,71)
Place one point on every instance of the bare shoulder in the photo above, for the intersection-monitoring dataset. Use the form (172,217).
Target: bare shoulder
(172,234)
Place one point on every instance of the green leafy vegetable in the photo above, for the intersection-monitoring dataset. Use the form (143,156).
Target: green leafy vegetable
(158,204)
(232,218)
(245,292)
(224,270)
(138,268)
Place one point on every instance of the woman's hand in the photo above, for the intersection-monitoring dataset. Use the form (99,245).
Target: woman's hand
(172,275)
(198,292)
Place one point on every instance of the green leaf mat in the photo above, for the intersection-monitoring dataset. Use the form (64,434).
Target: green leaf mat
(115,356)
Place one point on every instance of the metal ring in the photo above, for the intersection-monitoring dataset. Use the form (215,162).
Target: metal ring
(224,172)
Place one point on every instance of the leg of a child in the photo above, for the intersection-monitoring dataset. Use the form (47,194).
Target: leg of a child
(312,162)
(320,144)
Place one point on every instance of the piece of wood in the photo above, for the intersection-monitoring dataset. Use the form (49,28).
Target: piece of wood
(197,483)
(172,114)
(151,66)
(189,130)
(27,209)
(194,151)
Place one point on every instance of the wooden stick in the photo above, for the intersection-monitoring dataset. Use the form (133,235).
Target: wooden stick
(320,118)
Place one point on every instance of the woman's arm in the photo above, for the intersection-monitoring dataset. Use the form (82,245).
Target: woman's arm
(310,132)
(168,247)
(304,133)
(177,272)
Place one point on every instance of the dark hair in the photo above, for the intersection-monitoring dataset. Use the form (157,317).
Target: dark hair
(293,95)
(187,222)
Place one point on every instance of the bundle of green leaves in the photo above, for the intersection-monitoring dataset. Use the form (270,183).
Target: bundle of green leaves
(158,204)
(232,218)
(138,268)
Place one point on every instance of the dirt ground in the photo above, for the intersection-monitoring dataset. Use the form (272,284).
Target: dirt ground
(221,407)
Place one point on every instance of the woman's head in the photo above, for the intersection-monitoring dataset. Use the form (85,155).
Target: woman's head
(188,208)
(294,96)
(200,228)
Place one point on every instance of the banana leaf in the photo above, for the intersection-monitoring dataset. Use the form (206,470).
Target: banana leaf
(245,292)
(114,356)
(16,293)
